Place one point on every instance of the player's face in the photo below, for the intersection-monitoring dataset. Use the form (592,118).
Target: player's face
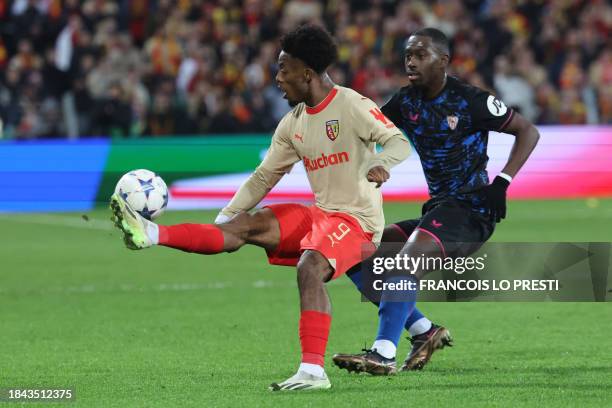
(423,61)
(292,78)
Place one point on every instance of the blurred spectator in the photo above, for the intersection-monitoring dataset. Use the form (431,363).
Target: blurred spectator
(160,67)
(549,104)
(572,110)
(25,60)
(600,77)
(222,120)
(513,89)
(112,114)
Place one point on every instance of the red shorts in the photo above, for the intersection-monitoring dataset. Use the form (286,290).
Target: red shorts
(337,236)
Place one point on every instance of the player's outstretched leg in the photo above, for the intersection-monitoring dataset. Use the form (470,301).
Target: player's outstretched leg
(259,228)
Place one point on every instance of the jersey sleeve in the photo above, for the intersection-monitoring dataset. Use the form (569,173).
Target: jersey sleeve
(391,109)
(489,112)
(281,155)
(278,161)
(372,125)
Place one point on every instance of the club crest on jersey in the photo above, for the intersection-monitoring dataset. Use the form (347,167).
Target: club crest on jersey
(452,122)
(332,128)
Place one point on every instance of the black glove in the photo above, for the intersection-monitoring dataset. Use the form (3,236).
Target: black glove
(495,198)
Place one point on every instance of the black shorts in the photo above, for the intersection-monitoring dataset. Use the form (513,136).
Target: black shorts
(458,229)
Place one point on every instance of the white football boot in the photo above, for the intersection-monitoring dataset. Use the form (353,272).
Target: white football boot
(131,224)
(302,381)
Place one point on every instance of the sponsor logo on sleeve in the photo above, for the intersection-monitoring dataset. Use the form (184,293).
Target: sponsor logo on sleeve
(495,106)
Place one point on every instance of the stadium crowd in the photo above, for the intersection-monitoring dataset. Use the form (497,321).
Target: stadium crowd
(131,68)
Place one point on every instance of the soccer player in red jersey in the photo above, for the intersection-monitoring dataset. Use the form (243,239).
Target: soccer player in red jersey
(333,130)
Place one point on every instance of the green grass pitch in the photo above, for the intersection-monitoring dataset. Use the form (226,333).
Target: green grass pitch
(162,328)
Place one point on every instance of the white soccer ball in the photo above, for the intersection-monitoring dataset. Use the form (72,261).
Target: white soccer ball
(144,191)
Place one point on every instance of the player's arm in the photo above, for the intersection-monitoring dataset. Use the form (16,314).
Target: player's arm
(526,139)
(490,113)
(381,130)
(278,161)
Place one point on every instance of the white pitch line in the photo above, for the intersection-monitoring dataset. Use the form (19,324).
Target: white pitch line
(75,221)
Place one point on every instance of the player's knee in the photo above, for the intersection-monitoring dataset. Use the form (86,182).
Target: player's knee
(262,220)
(393,233)
(305,274)
(243,225)
(313,268)
(423,244)
(260,225)
(236,231)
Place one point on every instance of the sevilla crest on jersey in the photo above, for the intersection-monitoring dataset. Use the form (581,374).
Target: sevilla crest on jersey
(452,122)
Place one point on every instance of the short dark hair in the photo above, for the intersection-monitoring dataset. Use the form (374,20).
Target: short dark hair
(311,44)
(438,38)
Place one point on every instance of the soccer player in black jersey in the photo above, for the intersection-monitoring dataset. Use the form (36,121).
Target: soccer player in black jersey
(447,121)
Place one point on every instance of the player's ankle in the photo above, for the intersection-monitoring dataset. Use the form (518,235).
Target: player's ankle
(385,348)
(153,231)
(313,369)
(421,326)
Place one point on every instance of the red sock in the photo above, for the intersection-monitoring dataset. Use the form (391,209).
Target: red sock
(314,330)
(198,238)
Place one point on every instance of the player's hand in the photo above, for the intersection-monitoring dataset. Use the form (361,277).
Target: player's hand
(495,195)
(378,175)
